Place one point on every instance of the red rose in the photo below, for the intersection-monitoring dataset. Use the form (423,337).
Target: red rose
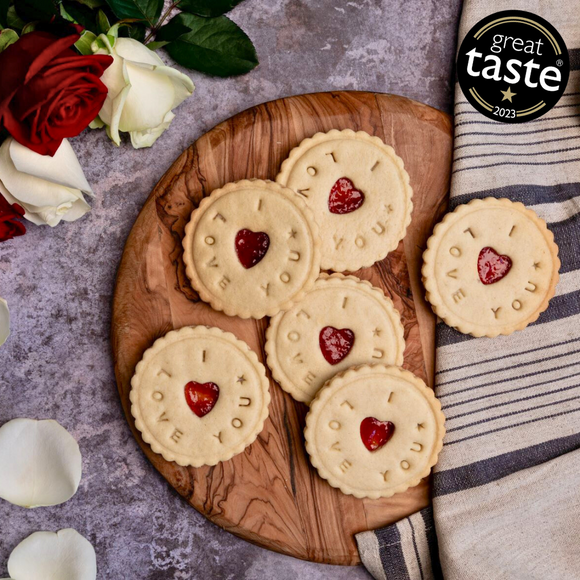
(10,227)
(48,91)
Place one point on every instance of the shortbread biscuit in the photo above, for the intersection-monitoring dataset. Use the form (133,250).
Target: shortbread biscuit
(251,249)
(374,431)
(342,321)
(491,267)
(199,396)
(359,192)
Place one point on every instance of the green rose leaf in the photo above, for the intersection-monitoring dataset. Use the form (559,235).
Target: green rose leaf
(64,14)
(83,44)
(147,10)
(30,27)
(103,23)
(13,20)
(92,4)
(36,9)
(208,8)
(7,37)
(79,13)
(173,30)
(4,5)
(156,45)
(216,46)
(134,30)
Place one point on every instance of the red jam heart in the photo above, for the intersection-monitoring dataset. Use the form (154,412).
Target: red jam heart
(345,197)
(251,247)
(491,266)
(375,433)
(201,397)
(335,344)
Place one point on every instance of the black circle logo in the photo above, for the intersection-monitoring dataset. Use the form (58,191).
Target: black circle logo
(513,66)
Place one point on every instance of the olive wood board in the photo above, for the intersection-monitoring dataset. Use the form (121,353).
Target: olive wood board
(270,495)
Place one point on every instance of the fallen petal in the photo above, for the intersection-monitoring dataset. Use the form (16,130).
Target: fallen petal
(4,321)
(41,463)
(65,555)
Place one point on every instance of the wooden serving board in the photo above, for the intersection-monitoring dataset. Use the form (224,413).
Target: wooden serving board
(270,495)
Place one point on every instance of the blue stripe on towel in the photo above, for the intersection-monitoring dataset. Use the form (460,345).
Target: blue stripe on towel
(391,551)
(494,468)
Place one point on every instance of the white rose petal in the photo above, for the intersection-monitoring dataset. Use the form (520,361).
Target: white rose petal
(4,321)
(133,50)
(146,138)
(41,463)
(63,168)
(65,555)
(142,91)
(150,98)
(50,189)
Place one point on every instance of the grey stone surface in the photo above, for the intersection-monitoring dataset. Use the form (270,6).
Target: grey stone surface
(59,284)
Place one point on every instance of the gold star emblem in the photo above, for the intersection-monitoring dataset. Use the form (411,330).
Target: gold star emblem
(507,95)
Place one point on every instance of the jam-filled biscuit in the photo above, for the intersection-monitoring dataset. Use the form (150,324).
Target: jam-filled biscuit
(341,322)
(491,267)
(251,248)
(199,396)
(359,192)
(374,431)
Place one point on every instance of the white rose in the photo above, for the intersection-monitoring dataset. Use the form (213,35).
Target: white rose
(142,91)
(49,189)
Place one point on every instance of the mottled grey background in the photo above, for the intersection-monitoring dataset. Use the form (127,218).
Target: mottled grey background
(59,283)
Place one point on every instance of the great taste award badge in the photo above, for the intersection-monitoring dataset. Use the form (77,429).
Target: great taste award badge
(513,66)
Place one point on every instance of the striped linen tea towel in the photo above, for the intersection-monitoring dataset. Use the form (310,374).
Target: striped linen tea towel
(506,490)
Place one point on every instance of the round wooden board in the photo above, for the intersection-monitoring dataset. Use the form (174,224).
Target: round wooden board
(270,495)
